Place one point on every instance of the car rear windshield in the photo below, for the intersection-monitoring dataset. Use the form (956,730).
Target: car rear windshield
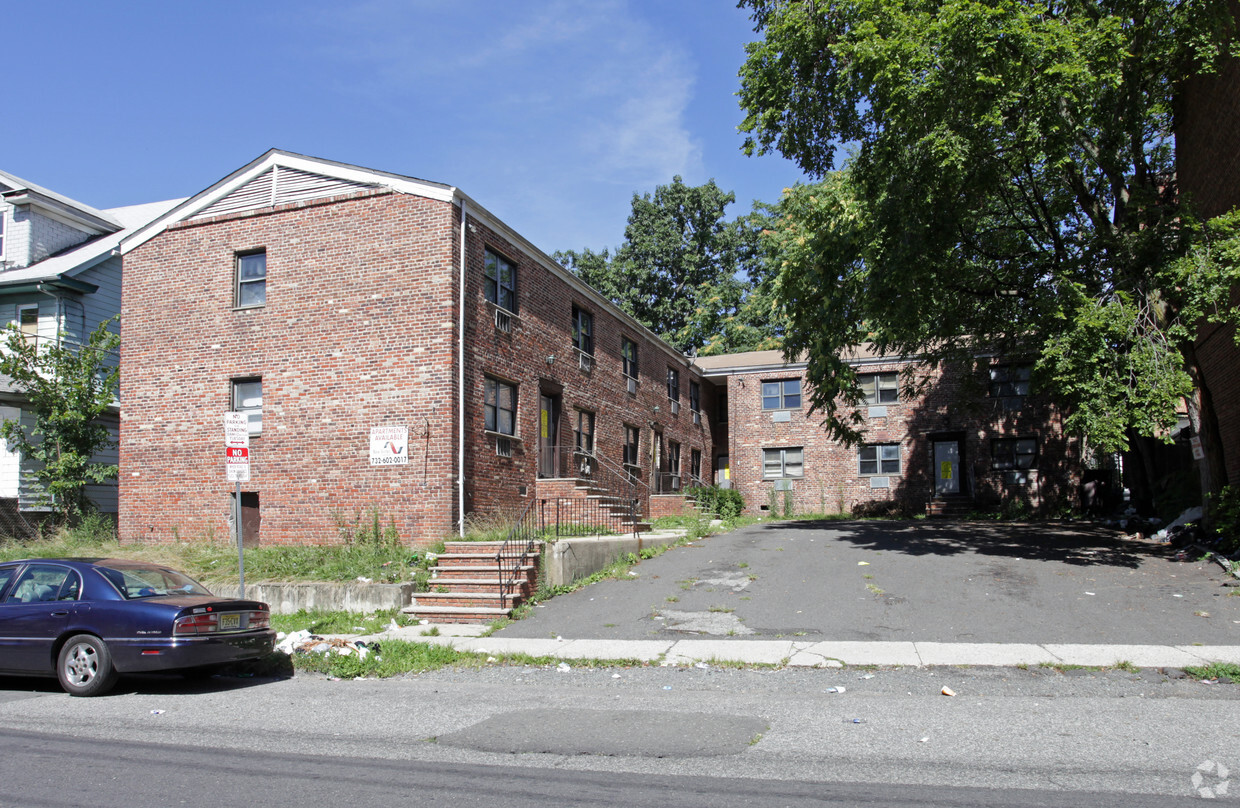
(150,582)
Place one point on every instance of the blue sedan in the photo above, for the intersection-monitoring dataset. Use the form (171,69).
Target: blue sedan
(87,620)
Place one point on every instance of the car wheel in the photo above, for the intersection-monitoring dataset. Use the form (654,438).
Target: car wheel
(85,666)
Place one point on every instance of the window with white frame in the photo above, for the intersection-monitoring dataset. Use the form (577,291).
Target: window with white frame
(695,396)
(247,399)
(499,406)
(1014,453)
(783,462)
(27,321)
(584,431)
(501,282)
(784,394)
(583,330)
(251,289)
(878,459)
(880,388)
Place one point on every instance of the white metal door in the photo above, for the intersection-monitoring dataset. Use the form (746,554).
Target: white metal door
(946,467)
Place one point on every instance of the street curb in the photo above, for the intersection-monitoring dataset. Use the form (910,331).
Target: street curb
(828,654)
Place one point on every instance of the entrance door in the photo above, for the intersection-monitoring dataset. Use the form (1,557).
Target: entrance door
(723,472)
(548,427)
(946,467)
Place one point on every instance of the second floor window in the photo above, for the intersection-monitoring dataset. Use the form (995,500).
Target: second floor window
(500,406)
(584,432)
(673,384)
(781,395)
(28,322)
(583,330)
(628,353)
(1009,385)
(695,396)
(880,388)
(501,282)
(251,279)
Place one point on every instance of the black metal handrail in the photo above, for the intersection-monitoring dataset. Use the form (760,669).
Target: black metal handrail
(605,477)
(516,550)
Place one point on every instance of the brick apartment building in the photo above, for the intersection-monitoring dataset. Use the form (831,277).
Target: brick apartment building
(1208,168)
(969,438)
(325,300)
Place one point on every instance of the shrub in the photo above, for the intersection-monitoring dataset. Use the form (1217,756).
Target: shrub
(726,503)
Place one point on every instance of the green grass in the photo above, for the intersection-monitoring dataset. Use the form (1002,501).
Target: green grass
(1214,670)
(215,562)
(321,622)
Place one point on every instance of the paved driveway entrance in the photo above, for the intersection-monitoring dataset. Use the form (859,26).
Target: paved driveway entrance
(908,581)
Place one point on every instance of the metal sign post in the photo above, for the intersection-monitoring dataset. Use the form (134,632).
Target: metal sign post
(237,470)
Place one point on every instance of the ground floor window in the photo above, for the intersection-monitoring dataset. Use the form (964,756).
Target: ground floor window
(632,437)
(1014,453)
(500,406)
(584,431)
(881,458)
(780,463)
(695,464)
(247,399)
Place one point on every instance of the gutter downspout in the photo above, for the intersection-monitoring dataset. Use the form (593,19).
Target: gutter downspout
(460,386)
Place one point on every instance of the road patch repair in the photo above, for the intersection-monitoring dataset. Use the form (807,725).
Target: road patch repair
(622,733)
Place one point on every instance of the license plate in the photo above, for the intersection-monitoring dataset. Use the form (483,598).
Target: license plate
(228,621)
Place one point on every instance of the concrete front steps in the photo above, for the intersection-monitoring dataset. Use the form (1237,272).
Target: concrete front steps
(465,585)
(597,500)
(949,506)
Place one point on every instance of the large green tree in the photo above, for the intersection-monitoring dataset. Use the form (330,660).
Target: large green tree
(1009,187)
(687,272)
(68,388)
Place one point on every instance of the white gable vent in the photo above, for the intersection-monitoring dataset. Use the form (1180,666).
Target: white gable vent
(278,186)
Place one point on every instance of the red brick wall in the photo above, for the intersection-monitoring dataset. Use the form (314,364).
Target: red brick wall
(356,332)
(954,404)
(538,355)
(359,330)
(1208,166)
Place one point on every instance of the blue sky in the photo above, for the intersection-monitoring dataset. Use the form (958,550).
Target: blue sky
(550,113)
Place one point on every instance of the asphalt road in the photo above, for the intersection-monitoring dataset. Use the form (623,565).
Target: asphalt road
(908,581)
(624,736)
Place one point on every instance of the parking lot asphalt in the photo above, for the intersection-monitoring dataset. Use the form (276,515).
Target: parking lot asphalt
(916,581)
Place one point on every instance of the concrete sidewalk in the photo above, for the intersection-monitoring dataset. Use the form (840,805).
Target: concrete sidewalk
(828,654)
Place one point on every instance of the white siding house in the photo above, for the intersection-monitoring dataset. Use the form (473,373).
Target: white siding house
(60,276)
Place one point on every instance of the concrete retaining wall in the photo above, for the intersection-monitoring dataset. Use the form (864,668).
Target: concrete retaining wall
(351,597)
(570,559)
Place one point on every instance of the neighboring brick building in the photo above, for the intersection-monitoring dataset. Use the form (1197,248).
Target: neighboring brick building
(324,300)
(1208,168)
(967,439)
